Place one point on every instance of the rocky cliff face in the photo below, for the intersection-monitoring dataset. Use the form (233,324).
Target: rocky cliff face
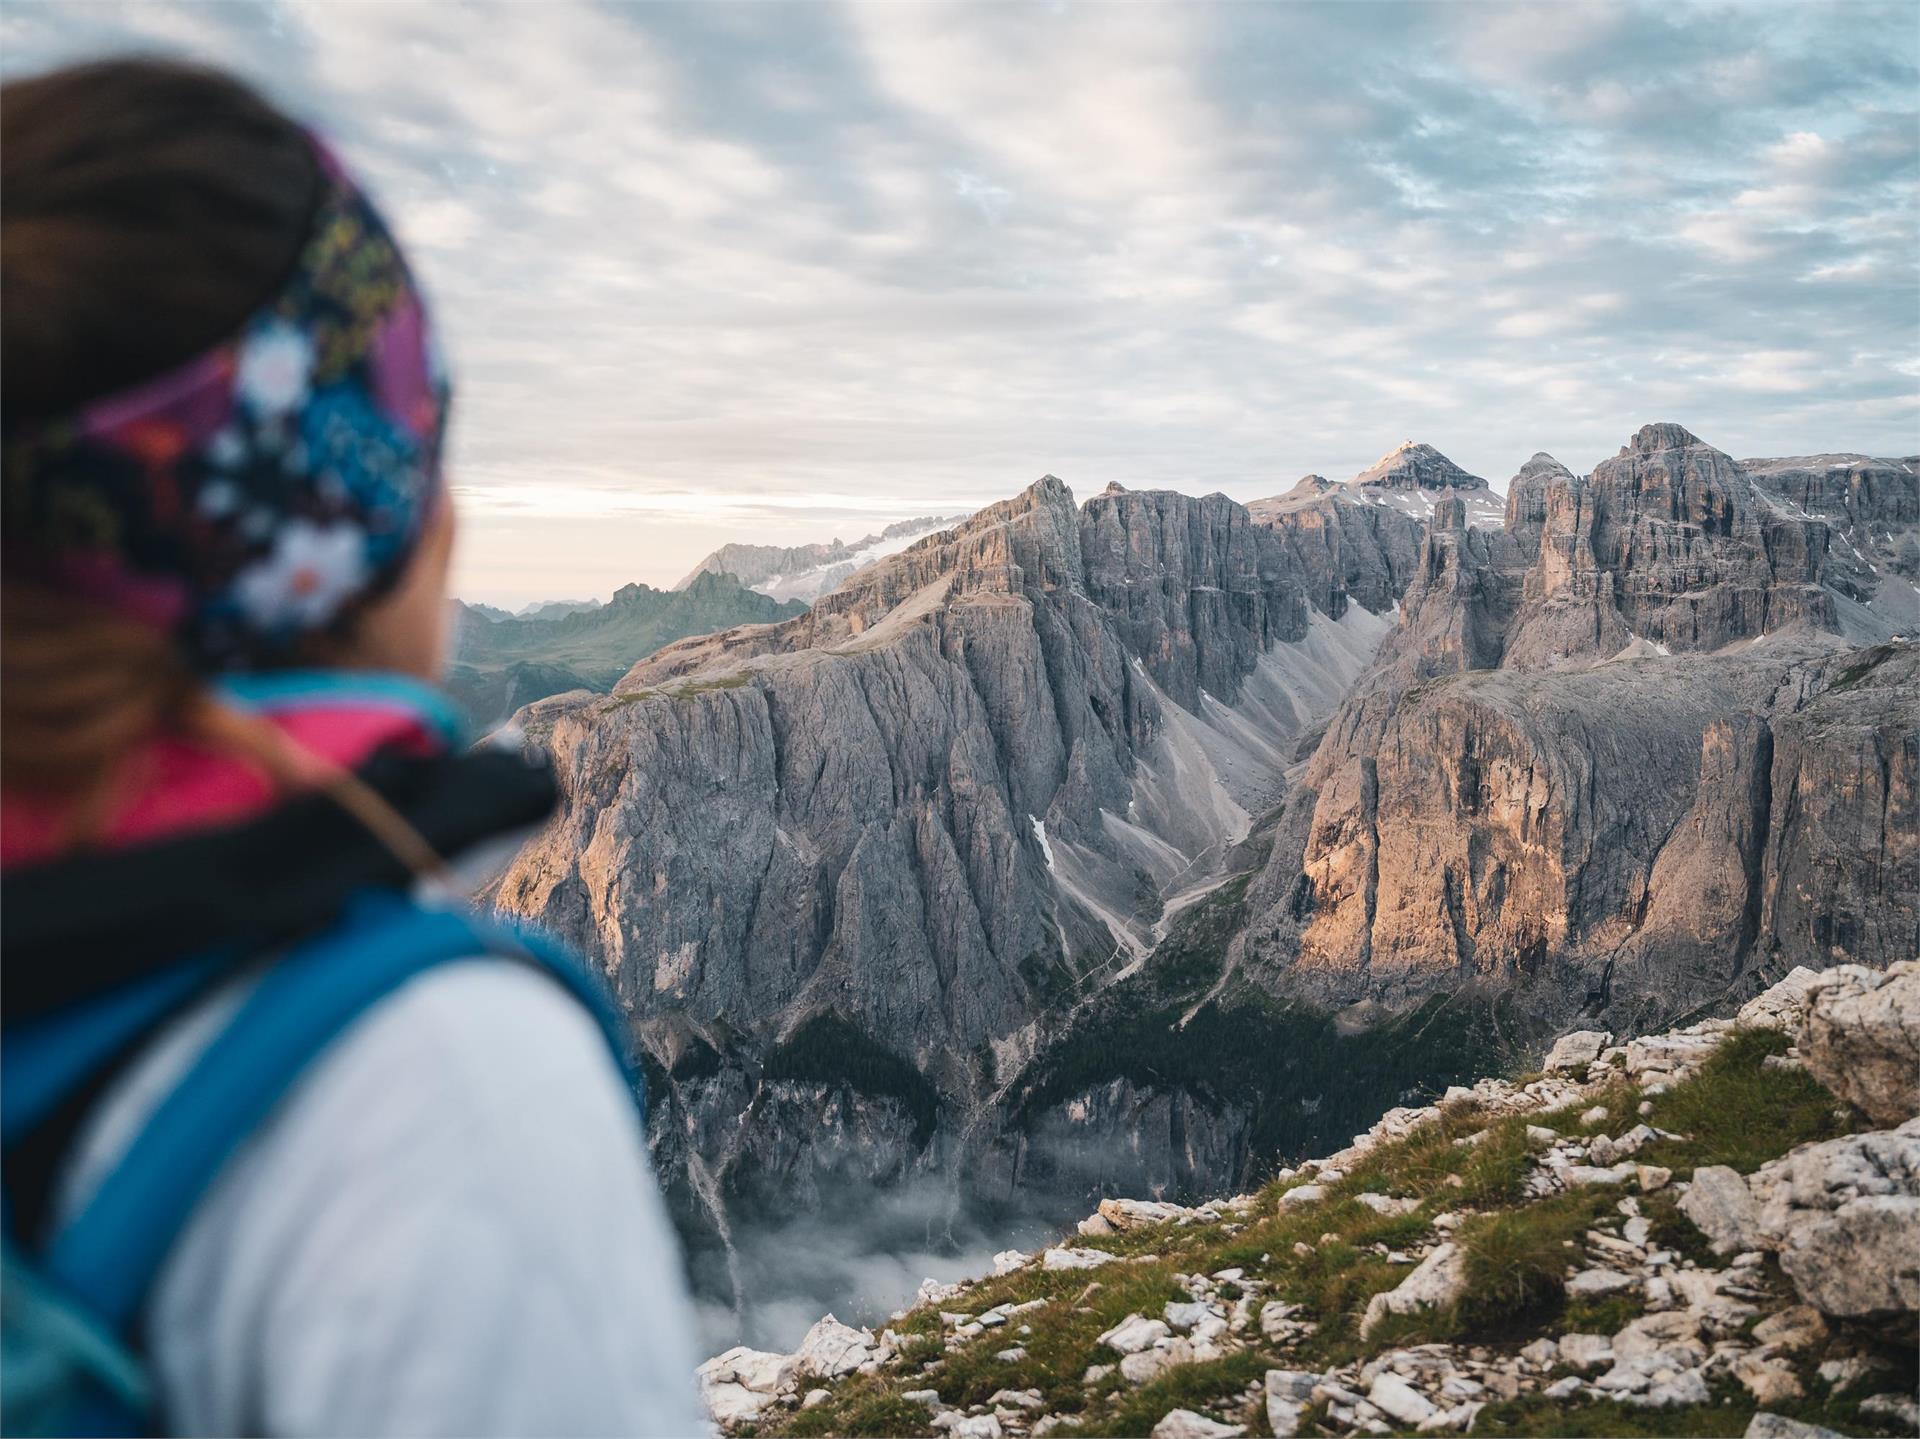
(1135,842)
(953,796)
(1532,787)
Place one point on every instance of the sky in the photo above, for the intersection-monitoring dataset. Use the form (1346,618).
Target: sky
(780,272)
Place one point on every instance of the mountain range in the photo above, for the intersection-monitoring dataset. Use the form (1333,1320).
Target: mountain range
(805,572)
(504,661)
(1135,844)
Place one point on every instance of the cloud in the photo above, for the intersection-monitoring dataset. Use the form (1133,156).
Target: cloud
(790,268)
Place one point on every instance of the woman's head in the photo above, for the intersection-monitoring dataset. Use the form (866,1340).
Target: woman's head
(222,413)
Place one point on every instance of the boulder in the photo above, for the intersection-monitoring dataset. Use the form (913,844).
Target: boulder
(1388,1204)
(1778,1426)
(832,1349)
(1070,1258)
(1861,1038)
(1134,1333)
(1289,1392)
(1185,1424)
(1767,1379)
(1397,1399)
(1303,1195)
(1124,1214)
(1437,1281)
(1595,1283)
(1008,1260)
(1843,1216)
(1721,1207)
(1150,1364)
(753,1369)
(1800,1327)
(1781,1006)
(1574,1052)
(1586,1352)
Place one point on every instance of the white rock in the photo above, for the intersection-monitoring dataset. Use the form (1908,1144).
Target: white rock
(1594,1283)
(729,1403)
(1067,1258)
(928,1397)
(1781,1006)
(832,1349)
(754,1369)
(1150,1364)
(1722,1208)
(1290,1387)
(1586,1174)
(1595,1115)
(1540,1137)
(1586,1352)
(1651,1177)
(816,1397)
(1575,1051)
(1008,1260)
(1778,1426)
(977,1426)
(1387,1204)
(1437,1281)
(1563,1388)
(1302,1195)
(1397,1399)
(1124,1214)
(1093,1226)
(1134,1333)
(1185,1424)
(1095,1373)
(1893,1409)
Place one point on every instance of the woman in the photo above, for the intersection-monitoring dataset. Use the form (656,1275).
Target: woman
(226,550)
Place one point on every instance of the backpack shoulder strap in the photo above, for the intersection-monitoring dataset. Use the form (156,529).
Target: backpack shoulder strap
(108,1255)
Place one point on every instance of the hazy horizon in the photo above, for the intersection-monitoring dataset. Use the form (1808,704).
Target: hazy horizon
(784,273)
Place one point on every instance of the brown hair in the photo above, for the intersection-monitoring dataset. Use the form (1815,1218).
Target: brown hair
(147,208)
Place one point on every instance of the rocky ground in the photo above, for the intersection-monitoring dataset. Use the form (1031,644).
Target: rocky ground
(1715,1230)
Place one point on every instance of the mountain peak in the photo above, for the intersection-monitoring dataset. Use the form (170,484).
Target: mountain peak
(1411,465)
(1665,435)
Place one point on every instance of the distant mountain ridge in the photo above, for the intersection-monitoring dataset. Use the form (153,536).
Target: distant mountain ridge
(501,664)
(805,572)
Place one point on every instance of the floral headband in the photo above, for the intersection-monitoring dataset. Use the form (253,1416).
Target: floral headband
(257,494)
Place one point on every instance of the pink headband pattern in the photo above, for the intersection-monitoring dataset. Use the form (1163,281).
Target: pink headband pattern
(256,495)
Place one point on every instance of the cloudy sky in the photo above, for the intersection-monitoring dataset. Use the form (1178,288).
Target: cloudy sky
(728,271)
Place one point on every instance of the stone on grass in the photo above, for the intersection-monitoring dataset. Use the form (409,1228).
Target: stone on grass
(1437,1281)
(977,1426)
(1651,1177)
(1397,1399)
(1778,1426)
(1070,1258)
(1575,1051)
(1900,1410)
(1586,1352)
(1563,1388)
(1303,1195)
(1722,1208)
(1388,1205)
(1595,1115)
(1781,1006)
(1134,1333)
(1008,1260)
(1150,1364)
(1185,1424)
(1289,1392)
(816,1397)
(832,1349)
(1597,1283)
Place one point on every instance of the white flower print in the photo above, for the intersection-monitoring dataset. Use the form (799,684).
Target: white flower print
(312,572)
(275,365)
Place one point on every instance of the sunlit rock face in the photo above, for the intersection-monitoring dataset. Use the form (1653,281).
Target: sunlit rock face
(1584,764)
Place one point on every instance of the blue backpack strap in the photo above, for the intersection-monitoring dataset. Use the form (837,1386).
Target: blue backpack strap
(107,1256)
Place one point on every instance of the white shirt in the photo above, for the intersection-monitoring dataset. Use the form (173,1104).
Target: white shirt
(449,1226)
